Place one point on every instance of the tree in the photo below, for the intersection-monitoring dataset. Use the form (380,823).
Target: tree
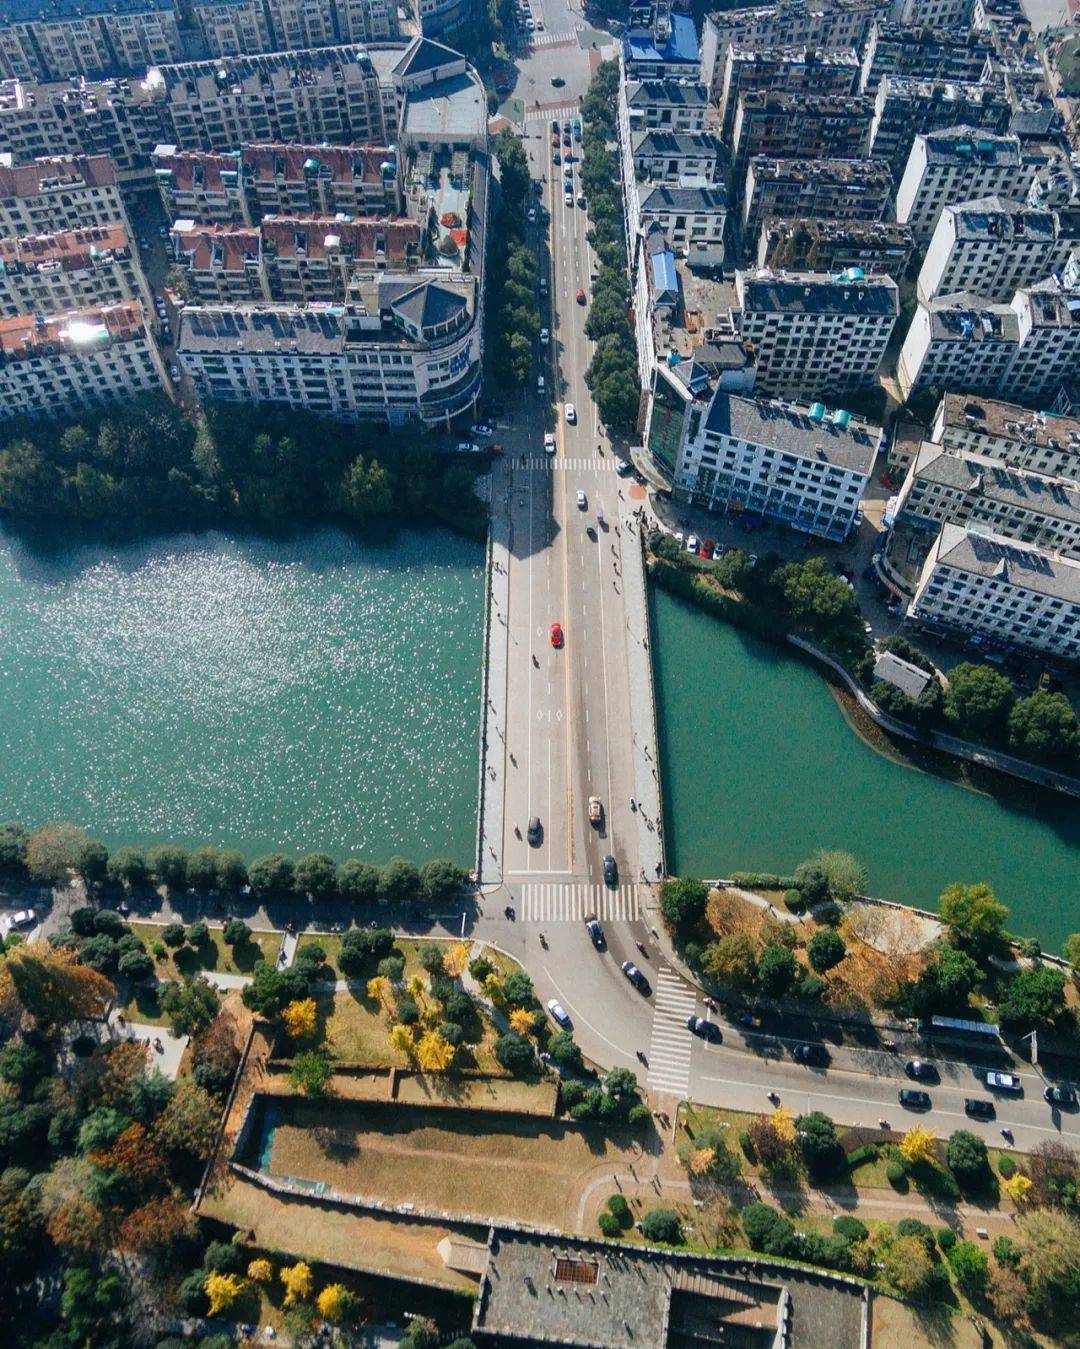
(236,932)
(51,986)
(310,1073)
(682,901)
(816,1134)
(422,1334)
(367,489)
(403,1040)
(731,961)
(271,988)
(974,917)
(434,1053)
(399,881)
(136,966)
(818,599)
(13,841)
(812,882)
(232,872)
(222,1290)
(908,1267)
(93,1304)
(23,1065)
(191,1005)
(565,1051)
(518,990)
(919,1145)
(272,876)
(316,876)
(128,866)
(198,933)
(53,850)
(441,879)
(1044,728)
(522,1021)
(767,1230)
(1033,998)
(298,1283)
(456,959)
(202,868)
(260,1271)
(662,1224)
(770,1149)
(1054,1172)
(1008,1295)
(825,949)
(92,863)
(335,1302)
(776,971)
(978,701)
(173,934)
(169,865)
(845,875)
(301,1018)
(1049,1243)
(189,1121)
(357,881)
(515,1054)
(1018,1187)
(966,1157)
(947,983)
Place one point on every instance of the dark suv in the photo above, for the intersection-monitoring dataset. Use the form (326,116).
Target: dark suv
(911,1099)
(611,870)
(979,1109)
(810,1053)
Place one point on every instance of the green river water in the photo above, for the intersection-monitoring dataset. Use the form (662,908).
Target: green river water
(308,693)
(760,768)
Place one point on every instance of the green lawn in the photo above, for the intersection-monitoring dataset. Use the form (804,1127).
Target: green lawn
(213,954)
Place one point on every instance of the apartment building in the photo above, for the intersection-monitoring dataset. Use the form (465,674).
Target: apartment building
(300,259)
(957,487)
(330,94)
(906,108)
(959,164)
(247,27)
(75,269)
(986,585)
(664,105)
(677,157)
(117,118)
(1040,442)
(62,193)
(234,27)
(58,363)
(401,351)
(692,219)
(301,180)
(799,126)
(835,189)
(56,39)
(665,49)
(1025,350)
(815,335)
(791,70)
(766,460)
(996,246)
(828,25)
(812,244)
(936,13)
(917,51)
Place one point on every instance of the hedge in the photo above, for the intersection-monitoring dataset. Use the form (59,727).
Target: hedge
(860,1156)
(763,880)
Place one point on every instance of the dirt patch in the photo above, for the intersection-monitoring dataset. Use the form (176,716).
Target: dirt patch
(891,931)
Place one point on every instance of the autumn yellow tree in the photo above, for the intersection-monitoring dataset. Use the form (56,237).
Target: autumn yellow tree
(783,1121)
(332,1302)
(522,1021)
(298,1283)
(378,990)
(493,988)
(700,1161)
(260,1271)
(917,1145)
(417,988)
(50,986)
(222,1290)
(1018,1187)
(435,1053)
(301,1018)
(403,1039)
(455,959)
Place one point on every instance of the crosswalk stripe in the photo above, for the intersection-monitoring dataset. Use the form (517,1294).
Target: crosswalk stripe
(669,1046)
(556,902)
(549,461)
(548,114)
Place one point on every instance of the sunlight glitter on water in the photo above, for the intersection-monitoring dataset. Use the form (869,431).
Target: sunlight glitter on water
(312,693)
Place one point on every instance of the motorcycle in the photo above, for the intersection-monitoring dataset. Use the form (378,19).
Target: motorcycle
(643,949)
(642,1057)
(543,941)
(774,1096)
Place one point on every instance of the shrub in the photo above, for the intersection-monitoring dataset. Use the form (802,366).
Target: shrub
(682,901)
(1006,1165)
(173,934)
(793,899)
(869,1152)
(970,1266)
(747,1146)
(776,971)
(896,1175)
(108,923)
(915,1227)
(639,1115)
(825,949)
(619,1208)
(946,1239)
(223,1257)
(762,880)
(609,1225)
(851,1229)
(767,1229)
(1006,1251)
(662,1224)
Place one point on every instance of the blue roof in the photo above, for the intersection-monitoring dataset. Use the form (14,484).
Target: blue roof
(639,44)
(665,277)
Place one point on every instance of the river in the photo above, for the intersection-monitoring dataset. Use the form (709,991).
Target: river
(316,692)
(760,768)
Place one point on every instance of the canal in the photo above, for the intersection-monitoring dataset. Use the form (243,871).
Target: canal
(760,768)
(310,693)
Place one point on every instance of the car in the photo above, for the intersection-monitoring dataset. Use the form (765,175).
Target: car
(582,501)
(1004,1082)
(23,918)
(543,285)
(555,126)
(144,243)
(568,196)
(635,976)
(567,125)
(539,25)
(920,1070)
(163,231)
(174,371)
(1064,1097)
(978,1108)
(545,336)
(707,549)
(556,158)
(535,831)
(558,1013)
(549,442)
(611,870)
(595,931)
(624,468)
(530,215)
(810,1052)
(570,158)
(581,200)
(596,810)
(693,543)
(481,429)
(467,447)
(557,81)
(540,385)
(911,1099)
(677,536)
(570,412)
(580,297)
(708,1030)
(556,635)
(566,139)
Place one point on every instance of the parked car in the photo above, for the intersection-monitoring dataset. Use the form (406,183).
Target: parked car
(1008,1082)
(921,1071)
(595,931)
(481,429)
(23,918)
(911,1099)
(545,336)
(708,1030)
(978,1108)
(558,1013)
(811,1053)
(531,215)
(467,447)
(693,543)
(1061,1096)
(635,976)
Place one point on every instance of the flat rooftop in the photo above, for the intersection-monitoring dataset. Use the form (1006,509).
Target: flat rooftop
(980,477)
(993,556)
(1002,219)
(850,444)
(970,145)
(856,171)
(455,106)
(817,293)
(1009,421)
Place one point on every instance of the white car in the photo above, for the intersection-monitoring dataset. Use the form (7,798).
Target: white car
(174,371)
(569,196)
(571,413)
(24,918)
(481,429)
(693,544)
(582,502)
(532,215)
(1004,1082)
(467,447)
(540,384)
(549,442)
(558,1012)
(545,337)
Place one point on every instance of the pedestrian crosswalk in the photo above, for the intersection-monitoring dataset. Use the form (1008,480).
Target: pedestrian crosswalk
(550,112)
(669,1049)
(546,39)
(591,464)
(556,901)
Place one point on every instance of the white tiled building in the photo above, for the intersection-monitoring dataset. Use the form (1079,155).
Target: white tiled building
(663,105)
(956,164)
(65,193)
(1042,442)
(996,246)
(55,39)
(247,27)
(982,583)
(54,364)
(692,218)
(75,269)
(816,335)
(799,466)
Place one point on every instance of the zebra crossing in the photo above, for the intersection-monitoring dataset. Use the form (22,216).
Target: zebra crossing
(566,38)
(549,113)
(546,461)
(556,902)
(669,1048)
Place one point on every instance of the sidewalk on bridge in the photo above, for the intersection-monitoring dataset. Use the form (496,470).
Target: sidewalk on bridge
(496,641)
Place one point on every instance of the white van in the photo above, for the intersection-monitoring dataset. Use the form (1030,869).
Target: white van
(540,384)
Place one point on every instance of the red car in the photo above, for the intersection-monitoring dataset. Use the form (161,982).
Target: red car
(707,548)
(556,635)
(580,297)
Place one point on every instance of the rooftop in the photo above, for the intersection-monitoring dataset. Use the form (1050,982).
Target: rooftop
(685,93)
(850,107)
(977,475)
(795,55)
(1002,219)
(848,292)
(1025,567)
(70,250)
(640,44)
(807,432)
(1009,421)
(938,91)
(29,179)
(970,145)
(966,317)
(76,332)
(676,143)
(860,171)
(701,200)
(454,106)
(908,678)
(49,11)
